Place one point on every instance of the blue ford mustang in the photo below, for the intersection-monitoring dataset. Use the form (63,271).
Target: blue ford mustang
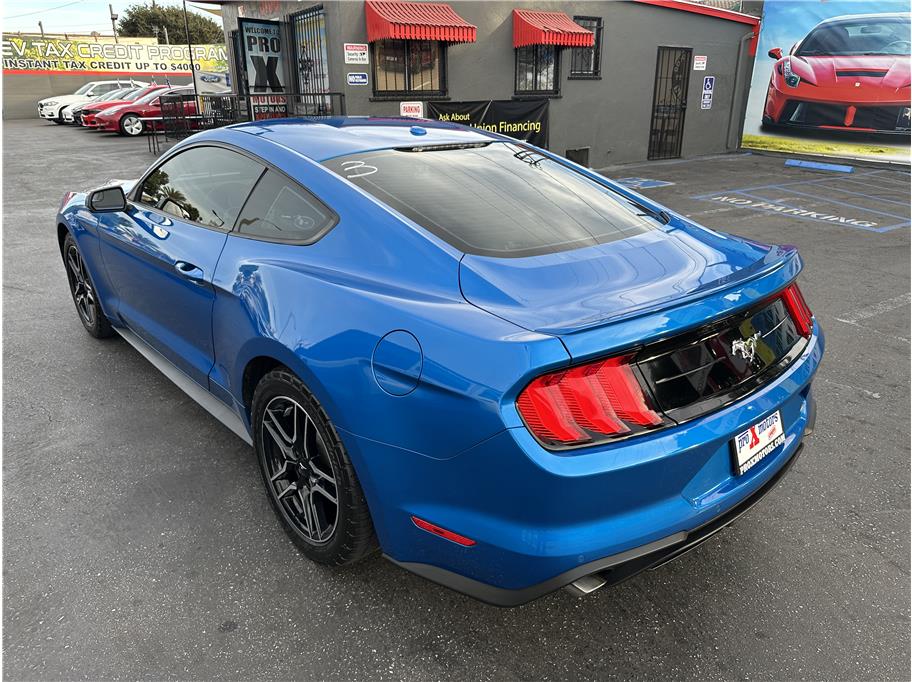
(505,371)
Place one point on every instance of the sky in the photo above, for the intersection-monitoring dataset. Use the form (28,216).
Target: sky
(71,16)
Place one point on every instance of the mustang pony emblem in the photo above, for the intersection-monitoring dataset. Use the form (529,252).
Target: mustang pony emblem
(746,348)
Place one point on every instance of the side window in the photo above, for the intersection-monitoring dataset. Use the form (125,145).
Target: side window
(279,209)
(207,185)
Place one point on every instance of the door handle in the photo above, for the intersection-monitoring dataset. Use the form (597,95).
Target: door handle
(190,271)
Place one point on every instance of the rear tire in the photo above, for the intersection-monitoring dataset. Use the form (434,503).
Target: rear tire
(131,126)
(305,467)
(83,291)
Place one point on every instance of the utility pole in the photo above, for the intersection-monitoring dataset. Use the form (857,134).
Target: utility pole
(167,41)
(113,21)
(41,26)
(190,48)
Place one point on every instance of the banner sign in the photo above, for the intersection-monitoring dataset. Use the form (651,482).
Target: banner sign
(261,48)
(261,43)
(525,120)
(34,55)
(831,78)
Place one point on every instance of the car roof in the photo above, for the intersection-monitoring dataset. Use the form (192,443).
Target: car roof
(326,138)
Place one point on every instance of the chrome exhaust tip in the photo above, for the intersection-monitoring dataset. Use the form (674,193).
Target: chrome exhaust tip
(586,585)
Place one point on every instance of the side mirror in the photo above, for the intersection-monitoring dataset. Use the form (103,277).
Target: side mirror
(107,199)
(775,53)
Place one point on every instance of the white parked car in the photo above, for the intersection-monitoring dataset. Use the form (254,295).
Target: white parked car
(51,108)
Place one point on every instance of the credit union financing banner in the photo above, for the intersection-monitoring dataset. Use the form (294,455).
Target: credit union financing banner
(525,120)
(37,56)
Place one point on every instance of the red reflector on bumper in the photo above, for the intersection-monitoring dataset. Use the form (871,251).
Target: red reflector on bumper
(442,532)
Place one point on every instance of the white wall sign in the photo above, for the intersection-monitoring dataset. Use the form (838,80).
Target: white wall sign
(356,53)
(699,62)
(709,82)
(411,109)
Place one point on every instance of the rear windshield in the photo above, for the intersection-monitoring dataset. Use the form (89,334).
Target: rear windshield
(495,199)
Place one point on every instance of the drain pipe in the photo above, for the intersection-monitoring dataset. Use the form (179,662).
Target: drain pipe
(731,108)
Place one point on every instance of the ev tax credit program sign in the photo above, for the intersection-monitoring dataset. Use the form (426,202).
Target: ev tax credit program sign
(262,49)
(525,120)
(36,56)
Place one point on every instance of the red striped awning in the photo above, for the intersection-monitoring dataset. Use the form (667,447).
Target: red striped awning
(532,27)
(416,21)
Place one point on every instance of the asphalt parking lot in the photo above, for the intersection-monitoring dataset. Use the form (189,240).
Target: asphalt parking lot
(138,542)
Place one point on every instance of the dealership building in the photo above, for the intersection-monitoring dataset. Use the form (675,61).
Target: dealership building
(600,82)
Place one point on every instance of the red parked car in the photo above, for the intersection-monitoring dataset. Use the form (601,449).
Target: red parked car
(848,73)
(127,119)
(89,112)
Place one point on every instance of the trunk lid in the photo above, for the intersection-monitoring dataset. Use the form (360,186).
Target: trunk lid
(566,292)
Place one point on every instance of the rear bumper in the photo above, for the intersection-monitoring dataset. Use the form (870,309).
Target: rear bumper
(610,570)
(541,520)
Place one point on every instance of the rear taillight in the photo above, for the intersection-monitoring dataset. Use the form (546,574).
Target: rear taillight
(589,404)
(798,309)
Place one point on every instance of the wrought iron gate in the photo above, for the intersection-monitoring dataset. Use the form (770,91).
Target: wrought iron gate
(669,102)
(308,29)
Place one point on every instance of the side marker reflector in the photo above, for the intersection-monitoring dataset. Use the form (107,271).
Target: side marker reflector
(442,532)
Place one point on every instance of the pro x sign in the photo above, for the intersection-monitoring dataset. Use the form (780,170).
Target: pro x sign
(261,43)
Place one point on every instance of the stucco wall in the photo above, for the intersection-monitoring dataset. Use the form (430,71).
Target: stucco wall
(611,115)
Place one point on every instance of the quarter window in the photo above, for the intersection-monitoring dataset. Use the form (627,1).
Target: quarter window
(280,210)
(585,62)
(405,66)
(205,185)
(537,67)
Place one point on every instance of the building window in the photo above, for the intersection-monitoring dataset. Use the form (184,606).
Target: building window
(537,67)
(409,66)
(585,62)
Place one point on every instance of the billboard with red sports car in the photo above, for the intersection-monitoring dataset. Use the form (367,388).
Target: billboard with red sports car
(832,78)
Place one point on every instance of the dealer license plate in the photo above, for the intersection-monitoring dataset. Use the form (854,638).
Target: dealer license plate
(757,442)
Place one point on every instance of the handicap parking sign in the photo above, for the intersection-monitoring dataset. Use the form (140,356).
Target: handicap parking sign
(709,82)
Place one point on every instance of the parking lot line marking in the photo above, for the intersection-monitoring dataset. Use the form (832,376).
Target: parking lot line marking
(887,228)
(868,180)
(878,308)
(874,331)
(844,203)
(872,197)
(881,176)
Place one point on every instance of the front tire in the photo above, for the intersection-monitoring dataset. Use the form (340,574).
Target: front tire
(309,478)
(131,126)
(83,292)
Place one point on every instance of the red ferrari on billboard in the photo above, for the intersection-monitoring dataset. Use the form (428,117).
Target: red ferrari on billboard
(848,73)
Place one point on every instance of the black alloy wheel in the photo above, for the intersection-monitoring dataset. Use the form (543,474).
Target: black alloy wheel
(309,479)
(83,292)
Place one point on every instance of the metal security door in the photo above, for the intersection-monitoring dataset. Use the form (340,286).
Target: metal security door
(669,101)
